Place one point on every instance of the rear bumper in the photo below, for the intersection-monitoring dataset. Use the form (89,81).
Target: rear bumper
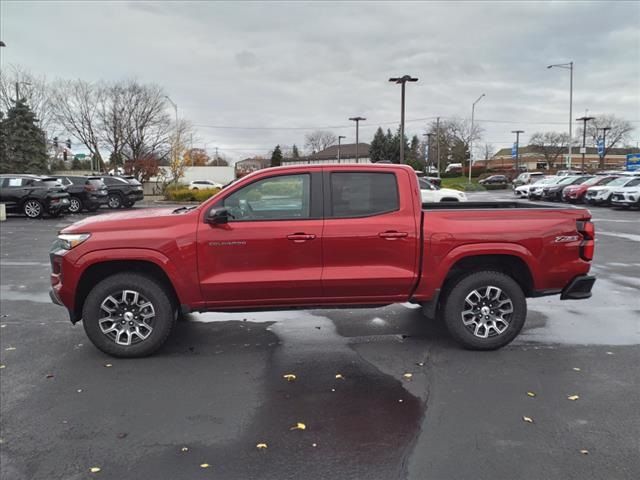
(579,288)
(135,196)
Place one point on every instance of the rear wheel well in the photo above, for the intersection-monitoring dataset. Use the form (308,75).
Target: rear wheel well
(97,272)
(510,265)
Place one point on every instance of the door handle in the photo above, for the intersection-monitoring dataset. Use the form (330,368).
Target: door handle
(392,235)
(301,237)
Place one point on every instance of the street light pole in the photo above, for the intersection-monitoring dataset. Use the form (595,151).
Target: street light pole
(402,81)
(517,132)
(604,145)
(340,137)
(584,119)
(175,141)
(438,143)
(429,162)
(568,66)
(473,111)
(357,120)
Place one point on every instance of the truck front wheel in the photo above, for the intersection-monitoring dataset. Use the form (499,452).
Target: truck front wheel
(485,310)
(128,315)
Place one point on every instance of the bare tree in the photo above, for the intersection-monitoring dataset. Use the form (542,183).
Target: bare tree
(488,150)
(618,134)
(114,116)
(76,106)
(319,140)
(551,144)
(33,89)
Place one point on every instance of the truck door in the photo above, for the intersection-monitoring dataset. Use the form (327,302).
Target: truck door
(270,251)
(370,239)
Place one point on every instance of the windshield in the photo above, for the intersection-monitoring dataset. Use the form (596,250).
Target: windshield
(618,182)
(565,180)
(593,181)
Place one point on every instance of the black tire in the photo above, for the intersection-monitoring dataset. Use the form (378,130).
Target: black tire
(75,205)
(480,282)
(149,291)
(32,208)
(115,201)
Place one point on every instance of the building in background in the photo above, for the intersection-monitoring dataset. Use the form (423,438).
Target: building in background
(330,155)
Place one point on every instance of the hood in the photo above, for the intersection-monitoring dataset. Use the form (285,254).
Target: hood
(132,219)
(451,191)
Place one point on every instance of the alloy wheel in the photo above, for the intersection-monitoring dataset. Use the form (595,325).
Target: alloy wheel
(487,311)
(128,317)
(32,209)
(74,205)
(114,201)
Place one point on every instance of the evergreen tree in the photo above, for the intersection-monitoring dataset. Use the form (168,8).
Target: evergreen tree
(412,157)
(378,148)
(295,153)
(276,157)
(25,150)
(3,144)
(389,150)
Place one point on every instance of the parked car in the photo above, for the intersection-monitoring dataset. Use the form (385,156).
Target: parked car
(523,190)
(495,180)
(568,173)
(33,195)
(437,181)
(627,196)
(433,193)
(535,189)
(527,178)
(601,195)
(310,235)
(124,191)
(554,192)
(204,185)
(576,193)
(85,192)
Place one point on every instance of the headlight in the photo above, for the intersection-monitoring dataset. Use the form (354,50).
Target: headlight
(72,240)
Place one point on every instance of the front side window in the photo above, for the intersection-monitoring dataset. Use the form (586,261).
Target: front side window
(355,194)
(285,197)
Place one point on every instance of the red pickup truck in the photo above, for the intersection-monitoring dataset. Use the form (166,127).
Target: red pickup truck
(319,236)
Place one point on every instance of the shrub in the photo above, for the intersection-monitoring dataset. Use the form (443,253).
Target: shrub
(183,194)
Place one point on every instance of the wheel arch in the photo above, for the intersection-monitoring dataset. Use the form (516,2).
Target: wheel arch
(98,271)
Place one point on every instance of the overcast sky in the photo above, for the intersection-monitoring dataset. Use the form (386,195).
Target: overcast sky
(283,67)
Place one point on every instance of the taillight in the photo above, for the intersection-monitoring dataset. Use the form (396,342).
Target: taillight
(587,247)
(90,188)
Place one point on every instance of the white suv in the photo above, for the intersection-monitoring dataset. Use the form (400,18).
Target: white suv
(204,185)
(601,195)
(627,196)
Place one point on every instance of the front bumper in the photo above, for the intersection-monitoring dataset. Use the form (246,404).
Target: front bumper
(579,288)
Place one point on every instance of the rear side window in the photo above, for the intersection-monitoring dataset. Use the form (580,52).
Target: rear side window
(362,194)
(96,182)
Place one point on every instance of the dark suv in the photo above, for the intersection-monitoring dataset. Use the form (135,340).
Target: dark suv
(124,191)
(33,195)
(86,192)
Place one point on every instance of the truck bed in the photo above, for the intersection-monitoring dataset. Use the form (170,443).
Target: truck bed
(510,204)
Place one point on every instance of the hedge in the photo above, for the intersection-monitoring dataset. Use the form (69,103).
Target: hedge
(183,194)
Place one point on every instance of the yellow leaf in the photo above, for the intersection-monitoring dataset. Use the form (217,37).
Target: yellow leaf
(94,469)
(339,376)
(2,366)
(333,389)
(290,377)
(261,446)
(576,369)
(204,465)
(531,394)
(79,390)
(8,349)
(184,449)
(527,419)
(299,426)
(573,397)
(420,364)
(584,452)
(108,365)
(408,376)
(314,444)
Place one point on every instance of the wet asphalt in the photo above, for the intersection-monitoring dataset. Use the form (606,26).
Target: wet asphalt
(216,390)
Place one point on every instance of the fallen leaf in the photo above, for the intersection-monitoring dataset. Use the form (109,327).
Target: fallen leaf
(333,389)
(184,449)
(314,444)
(400,401)
(339,376)
(8,349)
(420,364)
(408,376)
(609,353)
(299,426)
(79,390)
(290,377)
(576,369)
(527,419)
(531,394)
(204,465)
(584,452)
(123,435)
(3,366)
(94,469)
(573,397)
(108,365)
(261,446)
(49,375)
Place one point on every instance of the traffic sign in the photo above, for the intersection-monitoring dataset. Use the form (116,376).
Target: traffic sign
(514,150)
(600,147)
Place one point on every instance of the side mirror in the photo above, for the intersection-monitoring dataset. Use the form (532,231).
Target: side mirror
(217,216)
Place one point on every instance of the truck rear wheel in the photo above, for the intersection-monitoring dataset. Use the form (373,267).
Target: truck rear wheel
(128,315)
(485,310)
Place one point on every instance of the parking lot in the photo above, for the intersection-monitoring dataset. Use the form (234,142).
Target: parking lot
(199,408)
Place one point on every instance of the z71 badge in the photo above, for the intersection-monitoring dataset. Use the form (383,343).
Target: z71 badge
(567,238)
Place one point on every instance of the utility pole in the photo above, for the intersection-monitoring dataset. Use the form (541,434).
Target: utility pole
(429,161)
(568,66)
(604,146)
(473,111)
(402,81)
(517,132)
(340,137)
(438,143)
(175,141)
(584,119)
(357,120)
